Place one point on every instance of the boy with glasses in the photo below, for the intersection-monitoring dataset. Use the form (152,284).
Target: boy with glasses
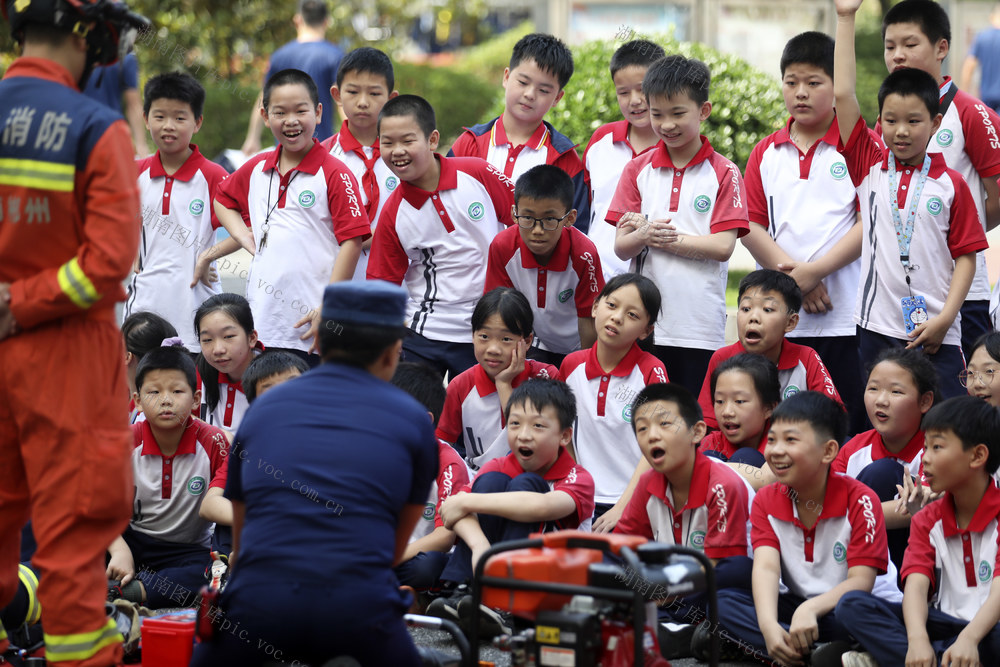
(555,265)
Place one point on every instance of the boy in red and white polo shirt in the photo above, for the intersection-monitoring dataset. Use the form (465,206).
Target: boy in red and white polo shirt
(951,601)
(519,139)
(435,232)
(918,35)
(796,169)
(177,186)
(768,305)
(686,499)
(685,211)
(817,533)
(365,83)
(538,487)
(555,265)
(921,226)
(160,561)
(615,143)
(296,209)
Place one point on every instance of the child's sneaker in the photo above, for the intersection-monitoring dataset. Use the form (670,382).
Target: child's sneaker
(447,607)
(829,654)
(675,639)
(729,649)
(858,659)
(492,622)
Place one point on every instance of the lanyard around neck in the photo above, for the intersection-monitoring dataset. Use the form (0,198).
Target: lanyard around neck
(904,232)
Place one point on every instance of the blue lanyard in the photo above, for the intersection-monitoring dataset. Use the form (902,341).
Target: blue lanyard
(904,233)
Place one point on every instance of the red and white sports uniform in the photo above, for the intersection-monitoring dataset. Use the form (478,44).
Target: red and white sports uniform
(961,564)
(453,476)
(559,292)
(565,475)
(866,448)
(371,172)
(546,146)
(968,139)
(232,405)
(309,211)
(716,442)
(472,411)
(435,244)
(781,183)
(799,369)
(849,532)
(604,161)
(705,197)
(602,435)
(169,489)
(714,518)
(946,227)
(178,223)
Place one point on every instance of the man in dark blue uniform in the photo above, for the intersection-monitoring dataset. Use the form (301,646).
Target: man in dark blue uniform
(328,475)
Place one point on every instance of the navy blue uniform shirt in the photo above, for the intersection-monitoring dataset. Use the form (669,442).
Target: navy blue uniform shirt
(325,463)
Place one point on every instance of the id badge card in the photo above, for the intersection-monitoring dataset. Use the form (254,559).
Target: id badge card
(914,312)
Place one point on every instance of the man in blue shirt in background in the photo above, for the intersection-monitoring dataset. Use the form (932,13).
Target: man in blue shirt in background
(311,53)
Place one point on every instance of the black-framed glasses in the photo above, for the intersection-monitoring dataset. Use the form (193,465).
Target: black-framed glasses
(528,222)
(986,377)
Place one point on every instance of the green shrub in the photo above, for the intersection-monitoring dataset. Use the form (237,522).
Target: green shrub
(227,112)
(746,103)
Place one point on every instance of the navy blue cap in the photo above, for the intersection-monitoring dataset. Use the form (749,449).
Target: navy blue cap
(370,302)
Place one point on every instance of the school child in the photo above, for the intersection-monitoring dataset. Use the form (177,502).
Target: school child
(615,143)
(901,388)
(984,364)
(918,212)
(177,186)
(265,372)
(917,34)
(686,499)
(605,380)
(536,487)
(819,534)
(679,209)
(951,601)
(540,67)
(768,305)
(426,553)
(365,82)
(546,257)
(297,210)
(229,342)
(745,391)
(434,233)
(799,168)
(143,332)
(473,417)
(161,558)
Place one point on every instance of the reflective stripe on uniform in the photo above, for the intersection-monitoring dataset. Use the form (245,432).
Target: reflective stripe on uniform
(37,174)
(30,581)
(81,646)
(76,285)
(3,633)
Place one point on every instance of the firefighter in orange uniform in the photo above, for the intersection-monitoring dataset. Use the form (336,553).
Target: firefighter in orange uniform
(69,229)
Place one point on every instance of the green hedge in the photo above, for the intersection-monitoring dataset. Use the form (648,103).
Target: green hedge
(459,99)
(746,103)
